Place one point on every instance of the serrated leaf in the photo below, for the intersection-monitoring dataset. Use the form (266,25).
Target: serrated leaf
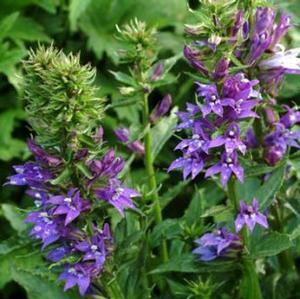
(162,132)
(271,244)
(268,190)
(76,9)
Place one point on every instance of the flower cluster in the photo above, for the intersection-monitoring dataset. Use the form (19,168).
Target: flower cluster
(215,128)
(236,113)
(222,243)
(59,214)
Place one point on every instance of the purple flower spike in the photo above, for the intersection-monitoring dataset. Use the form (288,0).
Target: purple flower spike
(117,195)
(231,140)
(71,205)
(193,58)
(249,216)
(161,109)
(217,244)
(227,166)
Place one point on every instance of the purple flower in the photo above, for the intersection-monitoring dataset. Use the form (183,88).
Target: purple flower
(59,253)
(95,249)
(186,118)
(161,109)
(41,155)
(190,164)
(250,139)
(31,174)
(135,146)
(221,69)
(281,29)
(213,103)
(239,20)
(216,244)
(46,227)
(157,72)
(79,274)
(193,58)
(227,166)
(273,154)
(71,205)
(108,166)
(117,195)
(40,196)
(262,34)
(290,118)
(199,141)
(231,140)
(249,216)
(282,137)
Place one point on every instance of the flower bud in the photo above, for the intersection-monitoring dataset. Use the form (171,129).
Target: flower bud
(274,154)
(161,109)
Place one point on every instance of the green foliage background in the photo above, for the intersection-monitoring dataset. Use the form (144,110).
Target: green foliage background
(88,27)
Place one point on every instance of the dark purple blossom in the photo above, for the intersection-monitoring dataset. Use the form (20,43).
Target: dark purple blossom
(194,59)
(31,174)
(273,154)
(108,166)
(199,141)
(135,146)
(217,244)
(117,195)
(80,274)
(95,249)
(41,155)
(290,118)
(250,139)
(190,164)
(71,205)
(161,109)
(221,69)
(59,253)
(262,33)
(157,72)
(226,167)
(231,140)
(213,103)
(46,227)
(249,216)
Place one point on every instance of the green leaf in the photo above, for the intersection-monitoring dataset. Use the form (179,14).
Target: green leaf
(12,214)
(28,30)
(270,244)
(76,9)
(7,23)
(65,175)
(193,212)
(168,229)
(84,170)
(268,190)
(124,78)
(162,132)
(257,170)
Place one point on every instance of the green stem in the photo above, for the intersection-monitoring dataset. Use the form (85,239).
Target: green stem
(151,176)
(248,264)
(113,290)
(285,260)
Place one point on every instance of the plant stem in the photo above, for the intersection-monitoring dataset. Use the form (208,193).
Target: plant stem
(248,263)
(151,176)
(285,260)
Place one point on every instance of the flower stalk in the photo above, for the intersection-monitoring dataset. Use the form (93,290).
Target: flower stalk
(152,184)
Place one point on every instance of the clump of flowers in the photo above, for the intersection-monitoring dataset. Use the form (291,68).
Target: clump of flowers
(74,177)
